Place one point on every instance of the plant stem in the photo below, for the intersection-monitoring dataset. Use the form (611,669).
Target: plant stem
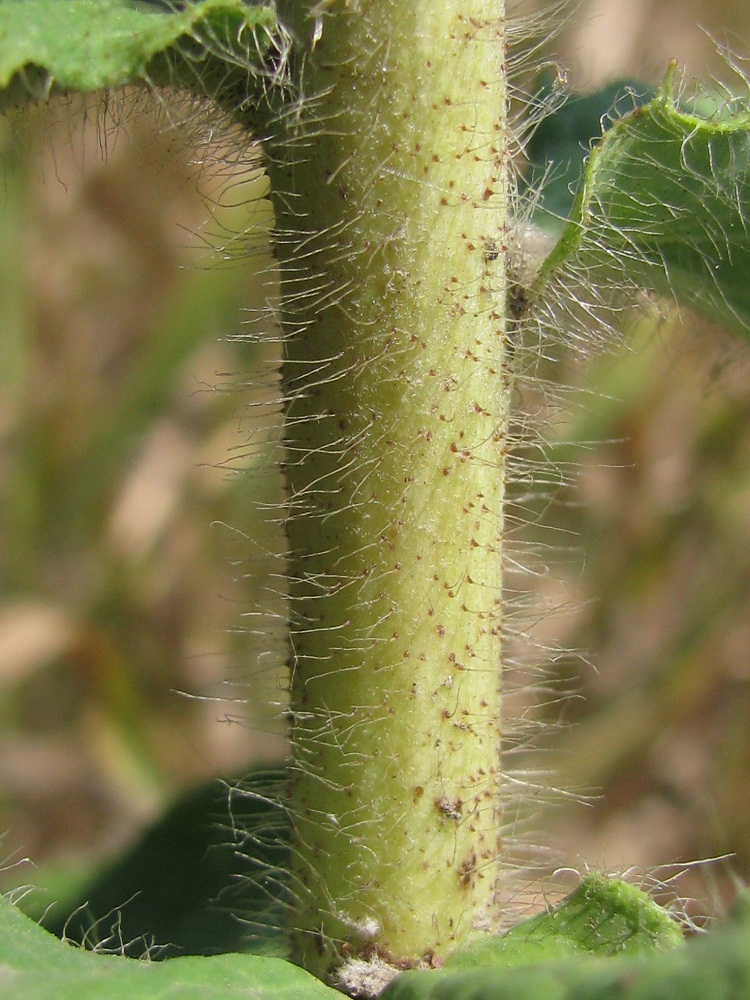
(390,216)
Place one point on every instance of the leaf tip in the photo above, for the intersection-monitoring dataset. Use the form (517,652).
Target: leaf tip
(667,88)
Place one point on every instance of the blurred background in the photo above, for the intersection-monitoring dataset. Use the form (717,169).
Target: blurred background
(140,650)
(653,589)
(137,437)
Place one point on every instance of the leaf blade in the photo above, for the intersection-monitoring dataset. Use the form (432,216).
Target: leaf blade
(35,964)
(713,967)
(89,45)
(666,196)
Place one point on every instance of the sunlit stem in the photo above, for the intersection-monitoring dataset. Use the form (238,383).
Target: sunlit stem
(390,198)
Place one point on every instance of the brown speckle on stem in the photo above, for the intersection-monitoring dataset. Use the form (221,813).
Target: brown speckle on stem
(453,809)
(467,870)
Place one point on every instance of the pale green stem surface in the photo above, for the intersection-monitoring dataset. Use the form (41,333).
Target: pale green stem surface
(390,202)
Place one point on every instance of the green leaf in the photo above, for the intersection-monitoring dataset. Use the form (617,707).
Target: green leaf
(34,965)
(208,877)
(48,46)
(557,148)
(714,967)
(665,200)
(602,917)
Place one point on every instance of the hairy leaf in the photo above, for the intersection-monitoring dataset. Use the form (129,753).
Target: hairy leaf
(558,146)
(665,200)
(34,964)
(206,878)
(602,917)
(85,45)
(716,967)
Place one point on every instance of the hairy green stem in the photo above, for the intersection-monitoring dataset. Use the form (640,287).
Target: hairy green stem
(390,198)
